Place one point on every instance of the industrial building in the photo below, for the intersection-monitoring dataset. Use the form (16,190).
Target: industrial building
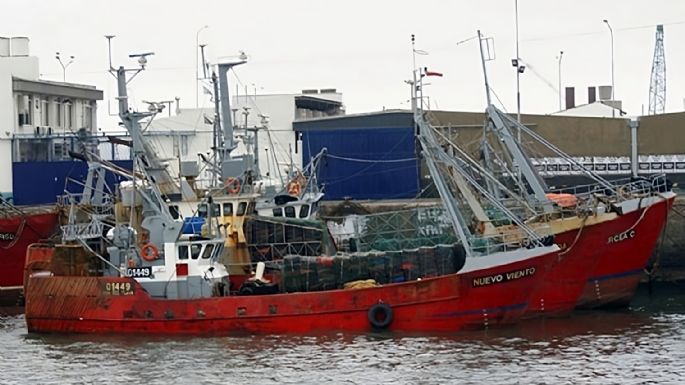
(374,155)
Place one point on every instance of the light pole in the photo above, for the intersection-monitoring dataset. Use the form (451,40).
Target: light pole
(561,94)
(518,71)
(197,74)
(611,31)
(64,66)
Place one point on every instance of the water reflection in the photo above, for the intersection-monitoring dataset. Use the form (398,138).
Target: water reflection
(643,345)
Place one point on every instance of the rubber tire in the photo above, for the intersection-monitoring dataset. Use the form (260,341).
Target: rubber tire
(373,311)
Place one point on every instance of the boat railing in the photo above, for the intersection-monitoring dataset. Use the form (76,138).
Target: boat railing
(82,231)
(624,188)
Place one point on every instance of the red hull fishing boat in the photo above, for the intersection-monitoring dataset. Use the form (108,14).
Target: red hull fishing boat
(482,295)
(151,277)
(603,256)
(629,241)
(18,229)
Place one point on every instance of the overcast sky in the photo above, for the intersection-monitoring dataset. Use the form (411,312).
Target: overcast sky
(362,48)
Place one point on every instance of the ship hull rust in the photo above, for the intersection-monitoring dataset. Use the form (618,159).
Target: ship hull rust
(81,304)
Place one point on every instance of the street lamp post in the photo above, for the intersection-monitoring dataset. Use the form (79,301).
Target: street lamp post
(197,74)
(64,66)
(611,31)
(518,69)
(561,94)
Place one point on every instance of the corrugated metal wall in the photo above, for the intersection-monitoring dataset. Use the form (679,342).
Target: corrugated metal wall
(365,163)
(41,182)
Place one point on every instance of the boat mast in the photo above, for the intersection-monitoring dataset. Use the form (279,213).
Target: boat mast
(485,147)
(158,221)
(428,148)
(216,127)
(228,144)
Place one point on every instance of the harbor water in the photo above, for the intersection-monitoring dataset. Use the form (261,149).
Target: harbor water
(641,345)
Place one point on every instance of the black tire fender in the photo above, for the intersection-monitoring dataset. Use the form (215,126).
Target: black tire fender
(384,311)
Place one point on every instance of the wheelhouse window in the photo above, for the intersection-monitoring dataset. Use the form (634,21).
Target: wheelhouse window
(289,211)
(278,212)
(173,210)
(183,252)
(208,251)
(242,207)
(304,211)
(195,250)
(202,210)
(228,209)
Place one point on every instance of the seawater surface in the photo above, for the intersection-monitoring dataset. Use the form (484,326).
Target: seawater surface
(642,345)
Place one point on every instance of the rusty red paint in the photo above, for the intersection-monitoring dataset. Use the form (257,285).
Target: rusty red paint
(440,304)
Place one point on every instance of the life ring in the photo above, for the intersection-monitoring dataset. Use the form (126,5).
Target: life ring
(294,188)
(232,185)
(380,315)
(149,252)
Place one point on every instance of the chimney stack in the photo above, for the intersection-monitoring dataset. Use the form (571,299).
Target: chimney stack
(604,93)
(591,95)
(570,97)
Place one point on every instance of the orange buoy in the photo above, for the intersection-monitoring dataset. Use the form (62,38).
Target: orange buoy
(149,252)
(232,185)
(294,188)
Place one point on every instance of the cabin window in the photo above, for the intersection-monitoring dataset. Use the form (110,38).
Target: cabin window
(183,252)
(208,251)
(173,210)
(216,209)
(195,251)
(278,212)
(250,209)
(304,211)
(202,211)
(228,209)
(218,249)
(242,206)
(289,211)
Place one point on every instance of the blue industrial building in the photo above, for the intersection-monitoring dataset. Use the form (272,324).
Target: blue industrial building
(369,156)
(41,182)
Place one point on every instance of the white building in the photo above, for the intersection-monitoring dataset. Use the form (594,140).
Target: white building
(38,119)
(190,132)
